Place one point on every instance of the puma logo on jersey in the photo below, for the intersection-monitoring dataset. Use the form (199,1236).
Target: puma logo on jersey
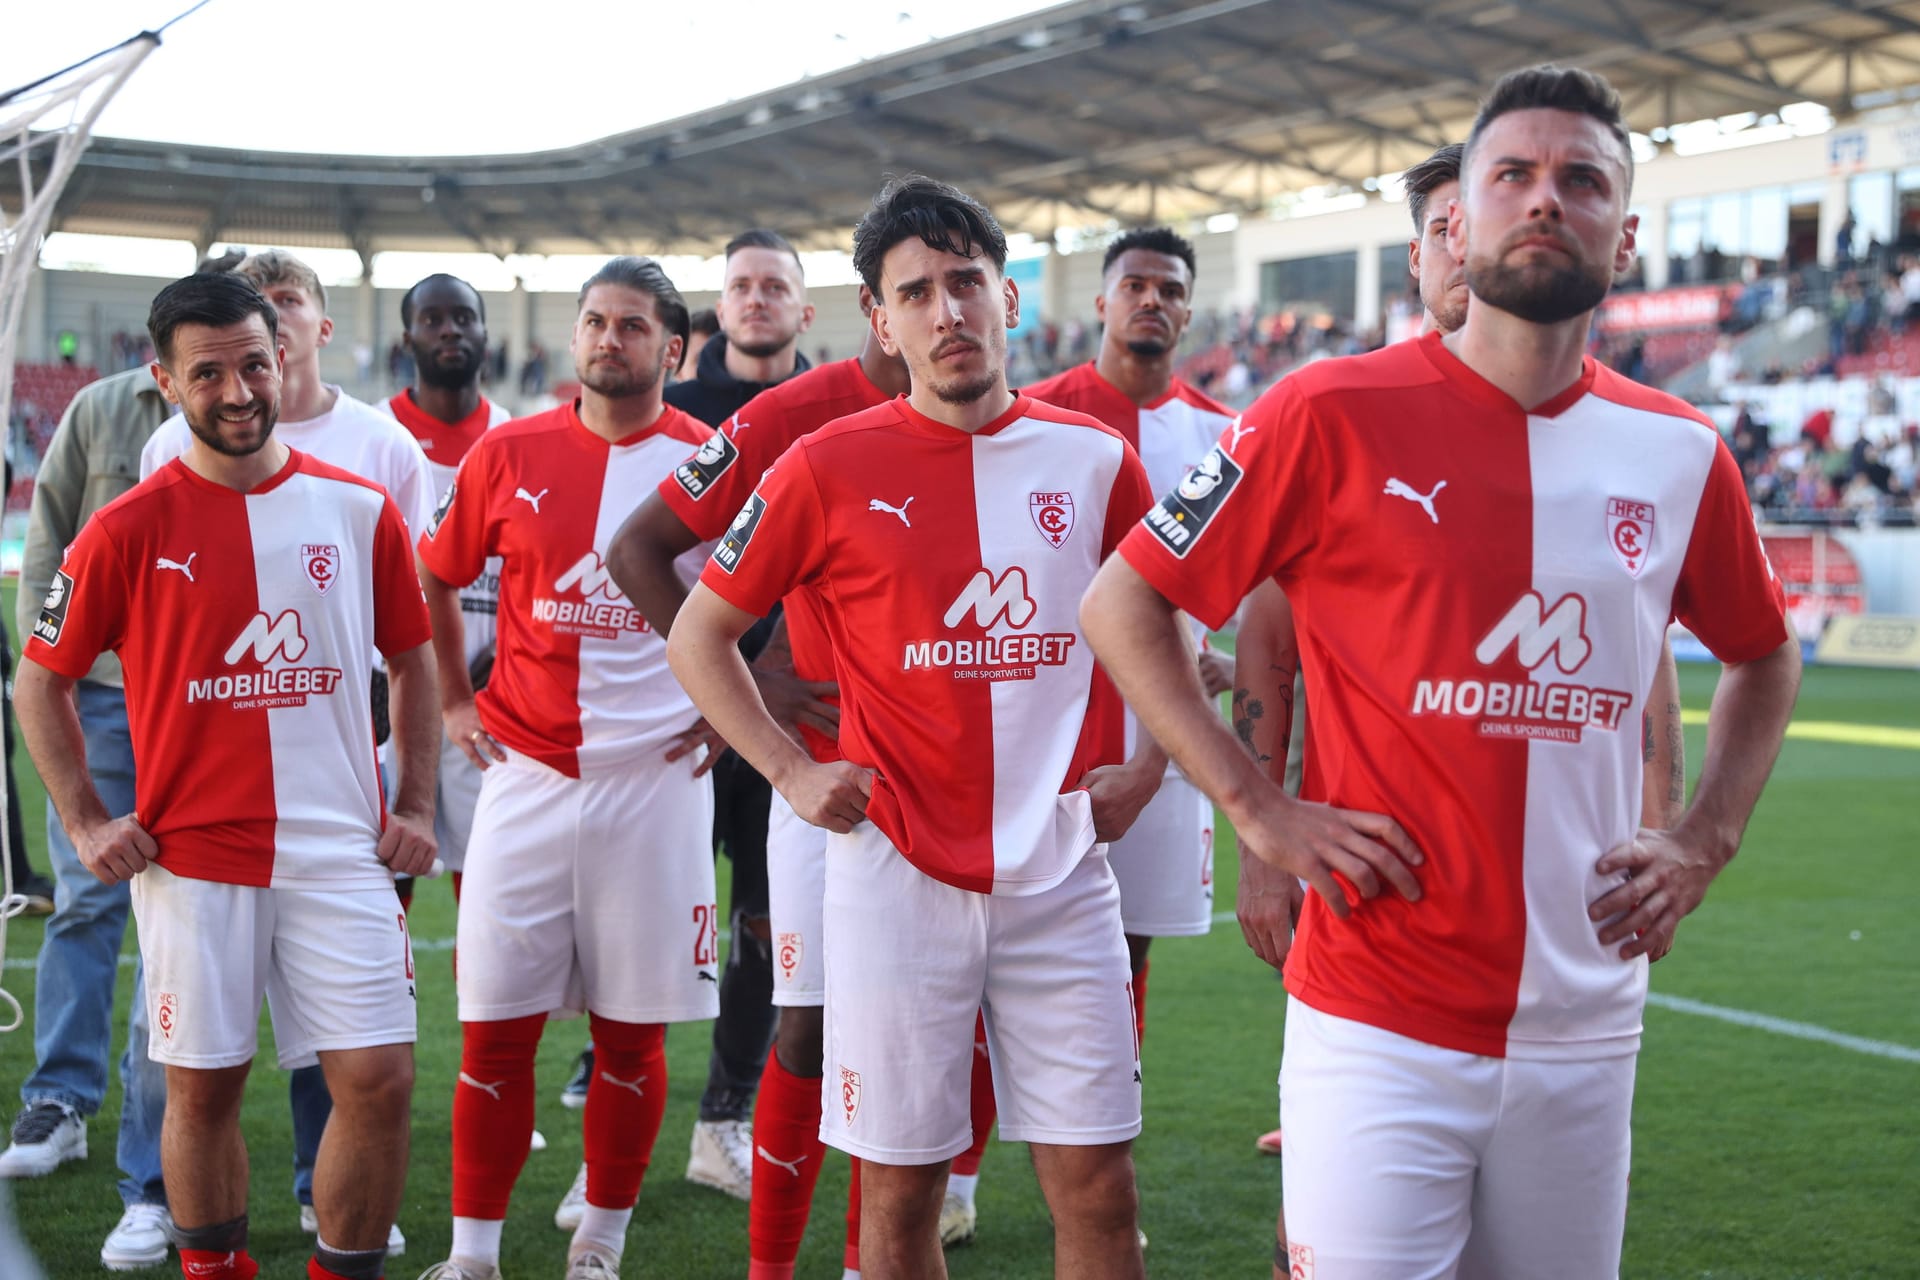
(901,510)
(1238,431)
(491,1090)
(791,1166)
(1401,489)
(632,1085)
(178,566)
(531,499)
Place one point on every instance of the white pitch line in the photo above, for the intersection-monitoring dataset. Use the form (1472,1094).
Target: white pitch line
(1782,1027)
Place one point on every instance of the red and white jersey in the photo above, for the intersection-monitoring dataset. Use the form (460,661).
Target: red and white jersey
(949,568)
(580,681)
(1171,435)
(1480,594)
(708,489)
(353,435)
(246,623)
(444,444)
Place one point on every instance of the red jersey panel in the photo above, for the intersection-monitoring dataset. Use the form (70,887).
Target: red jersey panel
(580,681)
(708,489)
(949,568)
(445,445)
(247,624)
(1480,595)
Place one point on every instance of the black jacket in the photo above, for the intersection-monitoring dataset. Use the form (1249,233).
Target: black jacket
(713,394)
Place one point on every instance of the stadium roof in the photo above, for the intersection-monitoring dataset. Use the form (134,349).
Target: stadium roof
(1129,110)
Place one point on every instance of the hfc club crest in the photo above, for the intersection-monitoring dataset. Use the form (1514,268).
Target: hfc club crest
(1630,532)
(322,565)
(849,1092)
(789,948)
(1052,516)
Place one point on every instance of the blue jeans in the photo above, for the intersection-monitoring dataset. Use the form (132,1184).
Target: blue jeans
(79,960)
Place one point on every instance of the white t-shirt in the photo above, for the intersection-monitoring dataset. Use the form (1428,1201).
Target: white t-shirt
(353,435)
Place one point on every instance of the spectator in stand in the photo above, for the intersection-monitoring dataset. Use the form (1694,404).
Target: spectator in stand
(1723,366)
(1843,242)
(1893,305)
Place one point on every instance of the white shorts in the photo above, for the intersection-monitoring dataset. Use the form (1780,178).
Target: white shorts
(590,894)
(334,965)
(1405,1161)
(796,886)
(1165,864)
(910,962)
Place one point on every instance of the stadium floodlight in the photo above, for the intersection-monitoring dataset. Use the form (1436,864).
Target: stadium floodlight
(44,126)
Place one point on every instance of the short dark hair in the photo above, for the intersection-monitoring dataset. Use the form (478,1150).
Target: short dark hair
(706,320)
(762,238)
(1420,181)
(1153,240)
(438,277)
(939,214)
(218,299)
(645,275)
(1555,88)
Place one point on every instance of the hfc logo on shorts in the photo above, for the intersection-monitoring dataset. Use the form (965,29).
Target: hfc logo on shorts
(849,1092)
(789,948)
(168,1016)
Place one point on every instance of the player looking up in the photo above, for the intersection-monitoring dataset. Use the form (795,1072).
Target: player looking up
(1474,772)
(981,749)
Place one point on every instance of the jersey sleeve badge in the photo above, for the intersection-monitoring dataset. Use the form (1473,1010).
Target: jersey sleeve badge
(734,542)
(697,474)
(1182,516)
(446,505)
(53,613)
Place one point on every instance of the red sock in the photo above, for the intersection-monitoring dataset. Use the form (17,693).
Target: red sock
(1139,992)
(850,1260)
(786,1164)
(967,1163)
(492,1113)
(206,1264)
(625,1103)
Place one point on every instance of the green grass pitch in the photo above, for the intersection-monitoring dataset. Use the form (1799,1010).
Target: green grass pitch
(1755,1154)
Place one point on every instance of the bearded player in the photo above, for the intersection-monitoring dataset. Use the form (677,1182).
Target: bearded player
(1467,985)
(245,587)
(444,326)
(589,881)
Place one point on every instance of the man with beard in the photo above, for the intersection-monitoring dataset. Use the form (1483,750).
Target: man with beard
(763,311)
(1269,706)
(444,326)
(1483,536)
(589,879)
(988,759)
(326,423)
(245,587)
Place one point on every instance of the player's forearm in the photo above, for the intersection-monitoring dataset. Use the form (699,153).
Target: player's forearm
(1266,660)
(50,723)
(1135,633)
(449,639)
(705,656)
(1664,797)
(640,560)
(413,704)
(1751,709)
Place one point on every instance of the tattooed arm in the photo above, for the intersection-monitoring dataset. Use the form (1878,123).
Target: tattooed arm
(1266,659)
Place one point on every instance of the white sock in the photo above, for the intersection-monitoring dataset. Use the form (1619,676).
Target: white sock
(604,1227)
(963,1185)
(849,1274)
(477,1239)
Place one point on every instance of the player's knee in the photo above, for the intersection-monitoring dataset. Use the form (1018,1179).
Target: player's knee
(205,1099)
(500,1050)
(1100,1194)
(801,1040)
(376,1081)
(624,1047)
